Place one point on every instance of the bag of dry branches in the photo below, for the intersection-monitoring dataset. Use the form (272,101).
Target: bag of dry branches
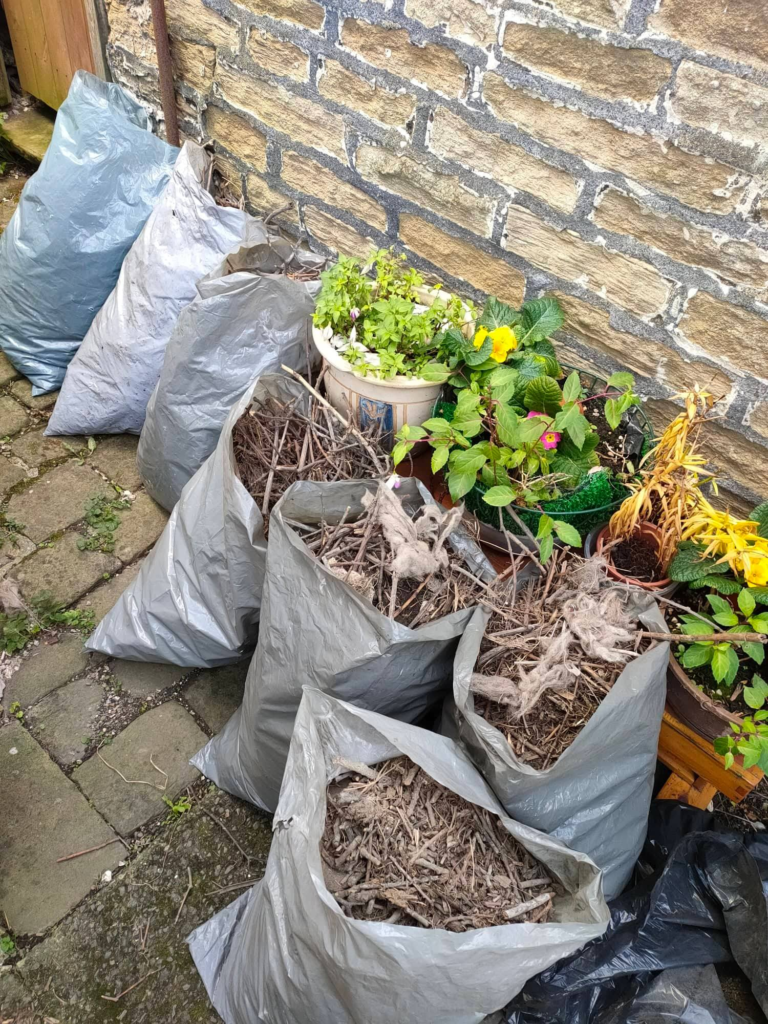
(559,704)
(368,589)
(250,315)
(396,890)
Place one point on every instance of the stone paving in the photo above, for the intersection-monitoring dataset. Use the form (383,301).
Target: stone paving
(95,751)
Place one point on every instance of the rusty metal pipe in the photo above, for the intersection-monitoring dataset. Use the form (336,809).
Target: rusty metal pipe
(165,71)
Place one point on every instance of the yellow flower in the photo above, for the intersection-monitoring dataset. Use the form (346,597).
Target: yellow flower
(480,337)
(504,342)
(755,564)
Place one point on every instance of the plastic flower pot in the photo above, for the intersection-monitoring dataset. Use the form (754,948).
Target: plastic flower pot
(648,533)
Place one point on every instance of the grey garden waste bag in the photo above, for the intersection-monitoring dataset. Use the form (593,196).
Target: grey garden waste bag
(285,953)
(196,599)
(247,318)
(317,630)
(109,382)
(596,796)
(78,216)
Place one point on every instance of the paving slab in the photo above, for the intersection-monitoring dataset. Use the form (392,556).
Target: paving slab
(141,679)
(139,528)
(14,997)
(104,597)
(217,693)
(57,499)
(10,474)
(13,417)
(64,570)
(15,547)
(115,457)
(29,132)
(34,448)
(64,722)
(22,390)
(44,817)
(46,668)
(169,735)
(8,371)
(95,952)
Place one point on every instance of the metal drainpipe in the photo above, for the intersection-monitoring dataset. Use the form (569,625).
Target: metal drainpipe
(165,70)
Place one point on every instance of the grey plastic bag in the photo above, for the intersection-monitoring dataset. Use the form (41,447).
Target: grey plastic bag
(196,599)
(285,953)
(247,318)
(317,630)
(109,381)
(596,796)
(78,216)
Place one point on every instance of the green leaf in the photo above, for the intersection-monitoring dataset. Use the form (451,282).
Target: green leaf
(575,464)
(468,461)
(437,373)
(508,425)
(613,413)
(754,650)
(411,433)
(746,602)
(725,663)
(753,697)
(761,716)
(540,318)
(438,426)
(567,534)
(531,429)
(688,565)
(760,594)
(460,484)
(760,623)
(760,516)
(621,380)
(439,458)
(504,382)
(574,423)
(92,443)
(720,583)
(751,755)
(718,604)
(722,744)
(695,656)
(546,525)
(726,619)
(499,496)
(729,759)
(467,405)
(543,348)
(529,368)
(545,548)
(399,452)
(543,395)
(474,356)
(572,387)
(497,314)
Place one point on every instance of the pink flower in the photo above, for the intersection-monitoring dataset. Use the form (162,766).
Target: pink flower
(549,438)
(354,313)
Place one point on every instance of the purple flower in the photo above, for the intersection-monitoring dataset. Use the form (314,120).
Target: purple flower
(354,313)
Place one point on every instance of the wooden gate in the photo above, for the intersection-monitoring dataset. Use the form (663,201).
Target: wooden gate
(51,40)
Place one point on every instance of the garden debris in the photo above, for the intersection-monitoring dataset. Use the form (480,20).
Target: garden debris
(559,651)
(281,441)
(401,848)
(387,556)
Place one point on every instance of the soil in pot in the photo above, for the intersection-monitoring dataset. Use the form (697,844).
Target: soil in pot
(636,558)
(399,847)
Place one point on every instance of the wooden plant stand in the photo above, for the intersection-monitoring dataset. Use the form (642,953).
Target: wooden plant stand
(697,771)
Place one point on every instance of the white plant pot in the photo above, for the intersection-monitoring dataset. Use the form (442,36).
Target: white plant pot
(389,404)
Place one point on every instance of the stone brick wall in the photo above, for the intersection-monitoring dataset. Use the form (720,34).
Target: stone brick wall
(610,151)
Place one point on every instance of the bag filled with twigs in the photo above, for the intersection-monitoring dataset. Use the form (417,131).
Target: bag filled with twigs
(250,315)
(368,588)
(558,698)
(197,597)
(433,924)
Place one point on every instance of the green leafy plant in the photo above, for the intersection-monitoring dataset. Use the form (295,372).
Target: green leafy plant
(102,519)
(9,530)
(18,628)
(750,737)
(178,807)
(7,945)
(691,566)
(16,710)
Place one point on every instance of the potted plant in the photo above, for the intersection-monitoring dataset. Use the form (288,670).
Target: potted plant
(516,436)
(380,330)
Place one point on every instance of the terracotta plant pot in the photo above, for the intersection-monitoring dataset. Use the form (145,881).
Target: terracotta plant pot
(649,533)
(698,711)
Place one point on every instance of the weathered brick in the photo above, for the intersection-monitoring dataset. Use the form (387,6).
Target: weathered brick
(308,176)
(300,12)
(336,234)
(191,19)
(463,19)
(734,260)
(369,98)
(391,48)
(462,259)
(611,72)
(131,28)
(620,279)
(193,64)
(278,56)
(758,418)
(262,198)
(239,137)
(733,107)
(592,327)
(608,13)
(737,29)
(442,193)
(663,168)
(277,108)
(452,138)
(727,332)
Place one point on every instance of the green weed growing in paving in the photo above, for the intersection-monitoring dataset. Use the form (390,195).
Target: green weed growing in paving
(19,627)
(102,519)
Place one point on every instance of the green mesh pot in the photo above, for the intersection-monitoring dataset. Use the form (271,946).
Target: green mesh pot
(590,504)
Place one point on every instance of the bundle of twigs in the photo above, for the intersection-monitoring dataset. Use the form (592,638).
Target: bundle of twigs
(277,443)
(399,847)
(400,564)
(548,660)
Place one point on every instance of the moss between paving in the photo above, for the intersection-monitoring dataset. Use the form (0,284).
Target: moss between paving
(103,598)
(217,693)
(10,475)
(35,448)
(22,390)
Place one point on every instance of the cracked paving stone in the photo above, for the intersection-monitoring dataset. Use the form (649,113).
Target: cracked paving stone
(115,457)
(140,526)
(13,416)
(104,597)
(35,448)
(46,668)
(64,570)
(217,693)
(22,389)
(10,475)
(63,722)
(142,679)
(56,500)
(8,371)
(169,735)
(44,817)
